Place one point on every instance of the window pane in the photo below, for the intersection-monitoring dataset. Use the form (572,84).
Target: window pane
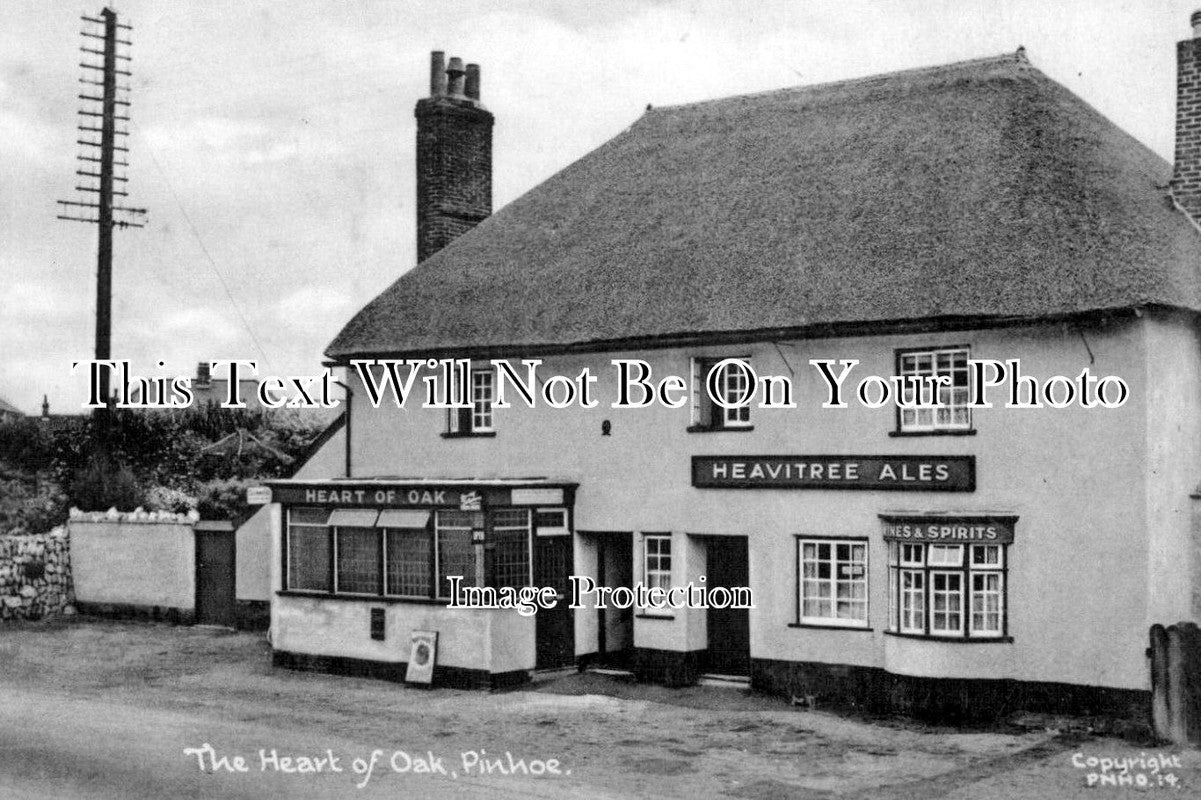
(308,558)
(946,555)
(456,552)
(986,603)
(946,601)
(913,601)
(986,555)
(410,563)
(481,400)
(358,560)
(308,516)
(511,547)
(456,556)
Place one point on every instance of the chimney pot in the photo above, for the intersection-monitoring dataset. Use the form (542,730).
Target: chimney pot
(455,73)
(1195,21)
(472,89)
(437,73)
(454,159)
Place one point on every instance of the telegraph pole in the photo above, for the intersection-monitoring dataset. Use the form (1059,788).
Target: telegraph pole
(98,158)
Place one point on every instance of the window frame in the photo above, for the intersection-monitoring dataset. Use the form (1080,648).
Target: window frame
(484,575)
(462,422)
(900,598)
(337,531)
(833,622)
(705,416)
(660,537)
(431,547)
(289,549)
(935,428)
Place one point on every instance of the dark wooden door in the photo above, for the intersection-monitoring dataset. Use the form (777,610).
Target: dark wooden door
(554,628)
(729,629)
(215,577)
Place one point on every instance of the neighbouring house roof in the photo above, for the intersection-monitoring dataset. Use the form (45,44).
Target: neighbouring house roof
(7,408)
(979,189)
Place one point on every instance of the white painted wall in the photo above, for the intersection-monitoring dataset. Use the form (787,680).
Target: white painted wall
(1077,479)
(134,563)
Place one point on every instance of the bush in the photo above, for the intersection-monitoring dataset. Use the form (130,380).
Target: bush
(31,507)
(26,445)
(164,498)
(223,499)
(104,484)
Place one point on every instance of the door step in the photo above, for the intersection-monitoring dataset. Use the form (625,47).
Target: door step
(540,675)
(610,672)
(726,681)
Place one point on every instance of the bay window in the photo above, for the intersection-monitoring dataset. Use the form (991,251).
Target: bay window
(947,590)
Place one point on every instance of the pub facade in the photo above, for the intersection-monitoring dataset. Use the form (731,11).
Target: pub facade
(955,559)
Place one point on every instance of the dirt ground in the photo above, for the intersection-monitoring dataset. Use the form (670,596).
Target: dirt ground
(100,709)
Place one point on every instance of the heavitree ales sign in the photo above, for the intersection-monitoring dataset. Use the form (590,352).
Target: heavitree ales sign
(891,473)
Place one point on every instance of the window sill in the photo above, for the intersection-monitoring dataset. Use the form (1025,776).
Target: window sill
(952,639)
(721,429)
(907,434)
(362,598)
(813,626)
(468,434)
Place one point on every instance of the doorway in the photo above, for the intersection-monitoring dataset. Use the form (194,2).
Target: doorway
(729,651)
(215,575)
(554,628)
(615,626)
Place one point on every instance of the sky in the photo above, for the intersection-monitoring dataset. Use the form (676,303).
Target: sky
(273,142)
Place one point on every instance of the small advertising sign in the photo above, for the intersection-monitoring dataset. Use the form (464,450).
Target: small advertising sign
(972,529)
(423,652)
(258,495)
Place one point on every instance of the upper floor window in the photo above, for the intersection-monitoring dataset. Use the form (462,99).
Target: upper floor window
(946,402)
(730,383)
(477,418)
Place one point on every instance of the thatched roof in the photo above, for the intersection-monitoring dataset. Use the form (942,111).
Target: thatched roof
(976,190)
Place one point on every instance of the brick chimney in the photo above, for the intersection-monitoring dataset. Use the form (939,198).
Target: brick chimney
(1186,175)
(454,156)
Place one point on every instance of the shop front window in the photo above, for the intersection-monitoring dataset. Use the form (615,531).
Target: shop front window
(406,553)
(455,549)
(308,550)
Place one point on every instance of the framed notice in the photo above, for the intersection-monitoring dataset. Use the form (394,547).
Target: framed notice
(423,651)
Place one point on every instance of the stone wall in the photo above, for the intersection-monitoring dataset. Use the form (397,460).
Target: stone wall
(35,575)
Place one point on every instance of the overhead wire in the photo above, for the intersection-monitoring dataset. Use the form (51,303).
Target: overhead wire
(212,263)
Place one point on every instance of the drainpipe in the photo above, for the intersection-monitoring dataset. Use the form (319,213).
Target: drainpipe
(349,417)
